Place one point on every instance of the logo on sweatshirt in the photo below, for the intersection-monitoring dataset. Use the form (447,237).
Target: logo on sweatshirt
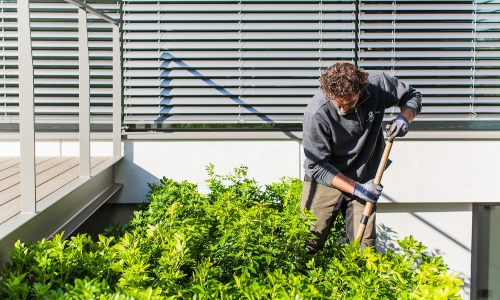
(371,116)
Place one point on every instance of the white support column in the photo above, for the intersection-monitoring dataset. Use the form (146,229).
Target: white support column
(26,110)
(117,92)
(84,89)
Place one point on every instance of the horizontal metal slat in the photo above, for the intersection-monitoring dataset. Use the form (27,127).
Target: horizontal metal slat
(465,35)
(180,101)
(224,64)
(61,110)
(215,91)
(235,7)
(217,55)
(425,44)
(428,64)
(183,73)
(461,100)
(66,16)
(59,53)
(388,26)
(60,119)
(235,36)
(65,6)
(465,54)
(164,46)
(428,26)
(460,17)
(57,100)
(58,44)
(400,36)
(412,7)
(213,119)
(69,35)
(460,109)
(53,91)
(233,82)
(458,91)
(446,82)
(236,109)
(65,81)
(260,26)
(67,26)
(235,17)
(433,73)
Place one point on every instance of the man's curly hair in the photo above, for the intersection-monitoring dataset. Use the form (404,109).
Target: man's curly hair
(343,80)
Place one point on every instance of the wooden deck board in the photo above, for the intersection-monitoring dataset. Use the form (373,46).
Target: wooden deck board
(58,181)
(10,176)
(9,163)
(10,209)
(52,174)
(14,190)
(6,158)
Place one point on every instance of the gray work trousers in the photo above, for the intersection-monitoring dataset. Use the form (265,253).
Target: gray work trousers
(326,202)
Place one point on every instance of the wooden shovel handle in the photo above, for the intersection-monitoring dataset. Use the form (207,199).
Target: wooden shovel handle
(377,180)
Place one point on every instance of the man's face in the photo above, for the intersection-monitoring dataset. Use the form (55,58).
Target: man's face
(345,105)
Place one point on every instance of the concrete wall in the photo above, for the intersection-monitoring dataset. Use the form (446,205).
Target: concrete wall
(148,161)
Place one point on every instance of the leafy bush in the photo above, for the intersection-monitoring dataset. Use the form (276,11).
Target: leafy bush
(238,242)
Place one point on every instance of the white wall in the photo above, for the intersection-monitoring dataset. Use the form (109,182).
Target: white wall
(148,161)
(420,172)
(442,171)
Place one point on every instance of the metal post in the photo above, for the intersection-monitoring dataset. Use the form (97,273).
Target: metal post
(473,114)
(117,91)
(84,89)
(26,109)
(357,33)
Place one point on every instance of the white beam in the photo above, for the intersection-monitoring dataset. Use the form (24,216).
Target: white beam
(26,110)
(117,92)
(84,89)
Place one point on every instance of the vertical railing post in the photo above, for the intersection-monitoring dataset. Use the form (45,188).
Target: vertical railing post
(84,90)
(117,91)
(26,109)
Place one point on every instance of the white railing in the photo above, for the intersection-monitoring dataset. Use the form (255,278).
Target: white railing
(26,98)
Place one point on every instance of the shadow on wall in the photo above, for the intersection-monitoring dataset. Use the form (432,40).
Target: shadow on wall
(134,178)
(387,239)
(441,232)
(165,93)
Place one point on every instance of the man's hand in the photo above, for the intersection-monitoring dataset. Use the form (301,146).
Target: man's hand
(399,127)
(368,191)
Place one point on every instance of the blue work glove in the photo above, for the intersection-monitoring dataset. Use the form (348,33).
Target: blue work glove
(368,191)
(399,127)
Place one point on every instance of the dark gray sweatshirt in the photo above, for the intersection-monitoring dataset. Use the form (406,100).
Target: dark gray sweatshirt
(353,143)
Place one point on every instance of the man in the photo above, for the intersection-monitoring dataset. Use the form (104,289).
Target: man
(344,142)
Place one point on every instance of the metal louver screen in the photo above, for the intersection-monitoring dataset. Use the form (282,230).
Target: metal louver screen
(229,61)
(54,32)
(257,61)
(446,49)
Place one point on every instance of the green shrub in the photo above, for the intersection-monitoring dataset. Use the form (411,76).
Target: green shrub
(238,242)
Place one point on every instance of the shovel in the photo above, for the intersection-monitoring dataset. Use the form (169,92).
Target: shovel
(378,178)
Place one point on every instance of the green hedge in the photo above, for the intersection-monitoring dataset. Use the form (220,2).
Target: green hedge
(240,241)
